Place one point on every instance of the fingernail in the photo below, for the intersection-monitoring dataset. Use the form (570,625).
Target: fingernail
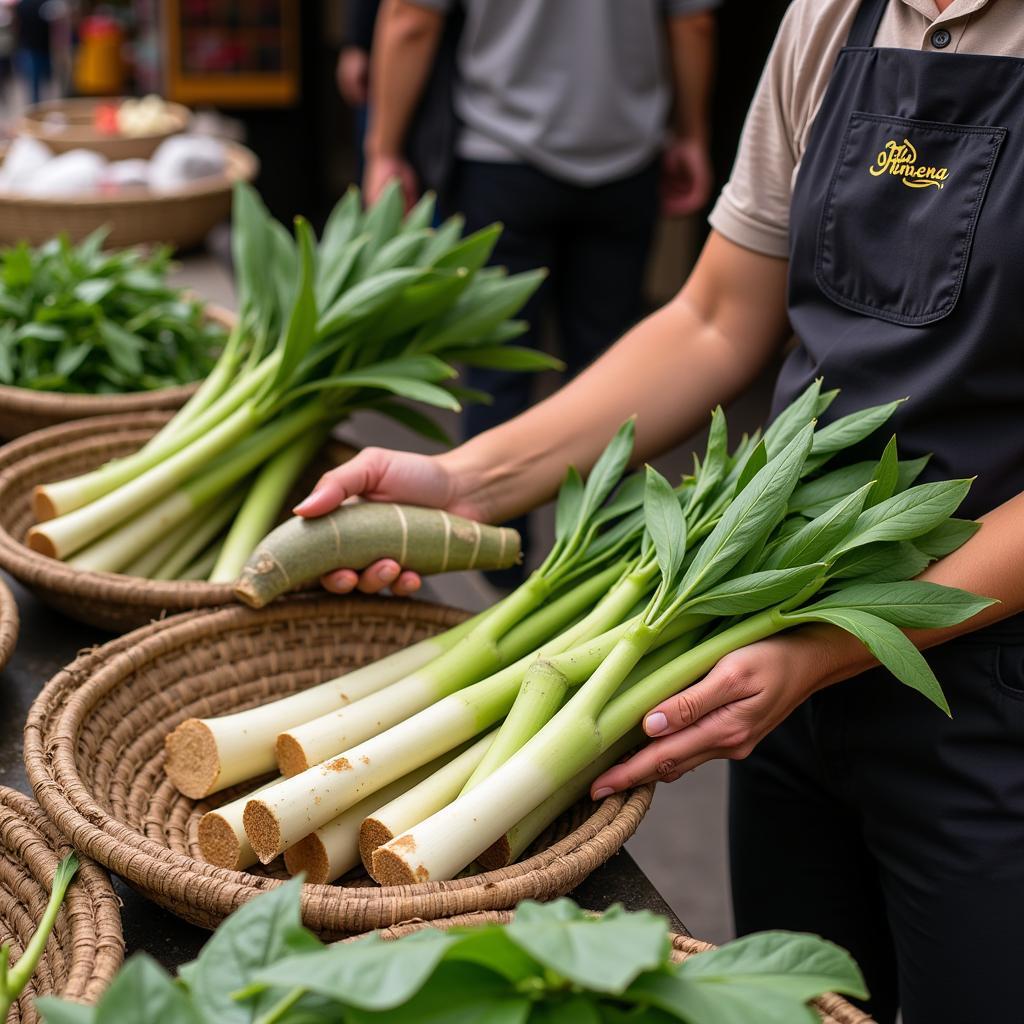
(306,502)
(603,792)
(655,724)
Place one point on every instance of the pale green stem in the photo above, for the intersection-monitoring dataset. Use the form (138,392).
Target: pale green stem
(153,557)
(202,566)
(205,533)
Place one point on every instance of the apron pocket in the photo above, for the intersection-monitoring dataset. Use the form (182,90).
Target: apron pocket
(900,213)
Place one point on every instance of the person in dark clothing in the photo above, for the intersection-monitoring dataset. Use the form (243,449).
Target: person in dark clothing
(353,69)
(32,46)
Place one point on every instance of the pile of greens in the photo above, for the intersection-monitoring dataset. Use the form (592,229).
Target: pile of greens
(553,963)
(74,318)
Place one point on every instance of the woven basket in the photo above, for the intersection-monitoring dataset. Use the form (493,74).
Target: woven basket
(8,624)
(94,753)
(64,125)
(107,600)
(85,947)
(831,1008)
(182,218)
(23,410)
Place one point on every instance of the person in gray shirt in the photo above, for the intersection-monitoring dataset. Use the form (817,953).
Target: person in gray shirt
(575,117)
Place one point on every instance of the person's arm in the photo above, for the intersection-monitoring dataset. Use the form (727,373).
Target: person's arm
(353,68)
(701,349)
(686,179)
(404,45)
(752,690)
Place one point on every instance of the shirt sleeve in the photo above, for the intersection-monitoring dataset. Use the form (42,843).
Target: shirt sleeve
(444,6)
(681,8)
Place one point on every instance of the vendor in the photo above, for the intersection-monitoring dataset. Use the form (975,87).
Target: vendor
(875,211)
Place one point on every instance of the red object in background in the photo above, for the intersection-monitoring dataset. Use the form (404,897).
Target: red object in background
(105,119)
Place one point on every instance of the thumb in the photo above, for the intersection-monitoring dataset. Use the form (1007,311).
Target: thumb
(359,475)
(718,688)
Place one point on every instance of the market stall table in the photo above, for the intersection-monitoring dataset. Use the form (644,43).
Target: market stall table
(49,641)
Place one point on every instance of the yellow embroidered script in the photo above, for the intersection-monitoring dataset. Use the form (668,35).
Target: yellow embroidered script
(900,160)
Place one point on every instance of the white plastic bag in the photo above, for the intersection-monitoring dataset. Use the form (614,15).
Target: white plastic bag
(25,156)
(182,159)
(77,172)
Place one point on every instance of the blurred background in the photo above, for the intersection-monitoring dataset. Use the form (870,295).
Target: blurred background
(271,74)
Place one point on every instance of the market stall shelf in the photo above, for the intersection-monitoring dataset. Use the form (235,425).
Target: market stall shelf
(86,947)
(110,601)
(94,753)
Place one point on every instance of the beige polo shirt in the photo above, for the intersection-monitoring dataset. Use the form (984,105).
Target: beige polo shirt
(753,209)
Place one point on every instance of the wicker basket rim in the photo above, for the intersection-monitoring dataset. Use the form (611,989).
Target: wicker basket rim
(242,165)
(93,946)
(9,624)
(72,405)
(63,704)
(32,122)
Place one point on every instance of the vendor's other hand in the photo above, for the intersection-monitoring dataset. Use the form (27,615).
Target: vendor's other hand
(353,74)
(725,715)
(685,177)
(382,169)
(378,474)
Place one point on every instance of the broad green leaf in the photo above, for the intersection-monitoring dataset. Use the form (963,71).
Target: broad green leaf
(604,954)
(382,221)
(792,419)
(893,560)
(750,518)
(817,496)
(911,604)
(907,515)
(716,461)
(422,214)
(628,497)
(445,237)
(367,298)
(608,469)
(887,476)
(754,463)
(370,974)
(747,594)
(817,538)
(62,1011)
(405,387)
(401,251)
(825,399)
(250,242)
(472,252)
(890,646)
(414,420)
(847,431)
(570,501)
(947,537)
(665,523)
(910,470)
(285,266)
(334,276)
(143,992)
(580,1008)
(94,291)
(421,302)
(489,946)
(257,935)
(341,229)
(419,367)
(506,357)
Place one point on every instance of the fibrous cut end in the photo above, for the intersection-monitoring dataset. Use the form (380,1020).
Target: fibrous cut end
(388,868)
(37,540)
(218,843)
(262,830)
(43,507)
(245,593)
(291,758)
(310,856)
(497,855)
(373,834)
(191,760)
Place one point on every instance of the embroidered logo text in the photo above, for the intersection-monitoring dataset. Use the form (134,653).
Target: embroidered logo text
(900,160)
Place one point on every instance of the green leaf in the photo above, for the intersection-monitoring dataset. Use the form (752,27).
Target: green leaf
(608,469)
(382,220)
(911,604)
(62,1011)
(341,229)
(665,523)
(422,214)
(143,992)
(506,357)
(257,935)
(887,476)
(445,237)
(420,302)
(489,946)
(793,419)
(907,515)
(817,496)
(755,462)
(570,501)
(716,460)
(890,646)
(414,420)
(604,954)
(401,251)
(405,387)
(367,298)
(628,497)
(94,291)
(333,276)
(825,399)
(817,538)
(746,594)
(847,431)
(910,470)
(472,252)
(886,563)
(750,517)
(946,537)
(124,347)
(370,974)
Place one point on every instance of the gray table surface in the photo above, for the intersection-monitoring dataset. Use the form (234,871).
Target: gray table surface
(48,641)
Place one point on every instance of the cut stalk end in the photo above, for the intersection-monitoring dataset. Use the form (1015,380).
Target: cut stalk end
(43,506)
(38,540)
(218,842)
(373,834)
(391,868)
(191,759)
(263,830)
(497,855)
(248,593)
(309,855)
(291,757)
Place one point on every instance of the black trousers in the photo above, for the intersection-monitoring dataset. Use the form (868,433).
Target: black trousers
(595,241)
(872,819)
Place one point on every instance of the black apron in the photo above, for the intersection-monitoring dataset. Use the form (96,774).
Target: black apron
(907,279)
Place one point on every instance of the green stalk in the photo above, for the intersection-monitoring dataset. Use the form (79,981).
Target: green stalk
(260,509)
(201,567)
(207,531)
(153,557)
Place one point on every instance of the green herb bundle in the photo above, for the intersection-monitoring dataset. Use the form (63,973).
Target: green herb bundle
(553,963)
(74,318)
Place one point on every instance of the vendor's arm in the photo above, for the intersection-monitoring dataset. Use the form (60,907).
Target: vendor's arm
(701,349)
(752,690)
(404,46)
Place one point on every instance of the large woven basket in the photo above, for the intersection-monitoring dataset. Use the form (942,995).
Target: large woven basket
(8,624)
(85,947)
(69,124)
(182,218)
(94,750)
(107,600)
(23,410)
(831,1008)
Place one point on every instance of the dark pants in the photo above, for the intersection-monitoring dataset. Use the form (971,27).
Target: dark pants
(872,819)
(595,242)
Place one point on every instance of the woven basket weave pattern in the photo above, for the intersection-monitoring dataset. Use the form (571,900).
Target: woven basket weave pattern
(86,947)
(8,624)
(94,754)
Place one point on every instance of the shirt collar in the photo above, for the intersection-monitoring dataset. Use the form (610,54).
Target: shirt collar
(957,9)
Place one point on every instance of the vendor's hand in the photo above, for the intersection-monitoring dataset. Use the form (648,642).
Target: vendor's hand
(379,474)
(353,74)
(382,169)
(728,712)
(685,177)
